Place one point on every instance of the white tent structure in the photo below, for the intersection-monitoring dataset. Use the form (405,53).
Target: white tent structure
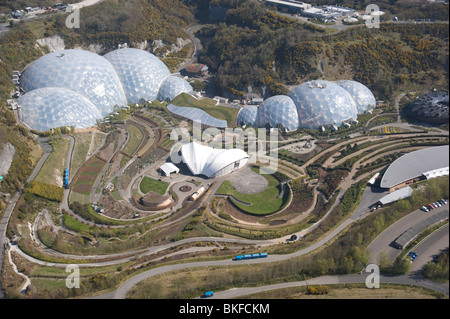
(204,160)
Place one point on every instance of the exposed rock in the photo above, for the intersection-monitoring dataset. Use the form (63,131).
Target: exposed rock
(6,158)
(53,43)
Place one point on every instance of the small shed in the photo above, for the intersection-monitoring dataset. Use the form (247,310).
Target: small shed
(169,168)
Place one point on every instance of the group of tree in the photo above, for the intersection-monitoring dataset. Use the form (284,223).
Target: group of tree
(254,46)
(45,190)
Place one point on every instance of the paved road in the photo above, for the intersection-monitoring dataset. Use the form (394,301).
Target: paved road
(9,209)
(197,46)
(331,280)
(383,241)
(432,246)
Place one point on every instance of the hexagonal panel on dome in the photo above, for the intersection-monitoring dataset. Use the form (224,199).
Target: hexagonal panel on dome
(278,111)
(248,116)
(81,71)
(322,103)
(364,99)
(173,86)
(47,108)
(140,72)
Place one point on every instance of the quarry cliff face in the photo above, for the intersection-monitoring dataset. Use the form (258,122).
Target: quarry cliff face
(6,158)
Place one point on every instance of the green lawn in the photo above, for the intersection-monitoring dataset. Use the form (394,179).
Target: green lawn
(135,139)
(209,106)
(263,203)
(53,168)
(148,184)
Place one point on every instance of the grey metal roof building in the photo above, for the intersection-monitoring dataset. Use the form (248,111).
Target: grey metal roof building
(197,115)
(426,163)
(432,108)
(405,238)
(402,193)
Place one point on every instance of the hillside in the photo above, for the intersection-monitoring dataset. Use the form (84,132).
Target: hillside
(258,47)
(105,25)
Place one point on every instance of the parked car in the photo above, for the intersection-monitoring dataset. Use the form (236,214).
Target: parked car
(424,209)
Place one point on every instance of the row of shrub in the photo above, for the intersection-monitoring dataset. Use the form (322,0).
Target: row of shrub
(45,190)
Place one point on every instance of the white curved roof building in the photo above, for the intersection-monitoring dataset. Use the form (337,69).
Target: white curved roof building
(311,105)
(210,162)
(47,108)
(248,116)
(422,164)
(278,111)
(363,97)
(173,86)
(322,103)
(78,85)
(81,71)
(140,72)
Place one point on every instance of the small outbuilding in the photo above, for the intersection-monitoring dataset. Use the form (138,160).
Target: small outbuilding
(169,168)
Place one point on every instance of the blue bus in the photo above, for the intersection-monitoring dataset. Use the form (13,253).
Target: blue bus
(250,256)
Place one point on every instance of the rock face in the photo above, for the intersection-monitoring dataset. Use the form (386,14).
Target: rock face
(53,43)
(6,158)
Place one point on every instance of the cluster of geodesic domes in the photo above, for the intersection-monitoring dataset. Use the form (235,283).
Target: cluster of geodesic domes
(310,105)
(78,87)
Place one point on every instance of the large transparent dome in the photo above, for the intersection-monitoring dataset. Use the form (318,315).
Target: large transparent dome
(141,73)
(248,116)
(173,86)
(81,71)
(363,97)
(322,103)
(47,108)
(278,111)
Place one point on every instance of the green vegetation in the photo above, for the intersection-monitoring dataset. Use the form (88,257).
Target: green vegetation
(438,269)
(149,184)
(53,168)
(263,203)
(135,139)
(45,190)
(245,49)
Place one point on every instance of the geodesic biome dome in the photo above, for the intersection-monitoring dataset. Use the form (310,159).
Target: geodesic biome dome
(278,111)
(430,108)
(173,86)
(248,116)
(47,108)
(363,97)
(81,71)
(321,103)
(140,72)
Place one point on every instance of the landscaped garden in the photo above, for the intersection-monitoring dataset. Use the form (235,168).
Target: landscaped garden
(262,203)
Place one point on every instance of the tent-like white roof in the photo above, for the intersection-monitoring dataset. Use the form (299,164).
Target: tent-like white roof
(204,160)
(169,168)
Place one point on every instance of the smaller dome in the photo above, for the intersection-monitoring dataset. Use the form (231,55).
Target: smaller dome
(47,108)
(248,116)
(278,111)
(363,97)
(173,86)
